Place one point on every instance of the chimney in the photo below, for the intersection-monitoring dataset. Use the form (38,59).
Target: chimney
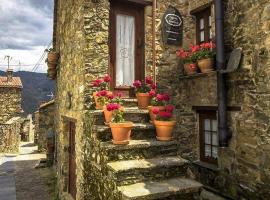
(9,75)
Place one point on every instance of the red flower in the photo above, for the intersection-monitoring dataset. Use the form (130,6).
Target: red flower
(208,45)
(97,82)
(107,79)
(183,54)
(110,96)
(166,97)
(102,93)
(152,93)
(169,108)
(137,84)
(112,106)
(159,97)
(195,48)
(154,86)
(165,114)
(155,111)
(149,80)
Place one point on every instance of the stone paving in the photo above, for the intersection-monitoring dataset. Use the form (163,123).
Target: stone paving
(20,180)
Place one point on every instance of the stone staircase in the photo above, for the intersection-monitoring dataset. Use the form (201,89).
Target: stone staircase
(145,168)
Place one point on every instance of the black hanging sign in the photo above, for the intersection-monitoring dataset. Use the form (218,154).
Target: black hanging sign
(172,27)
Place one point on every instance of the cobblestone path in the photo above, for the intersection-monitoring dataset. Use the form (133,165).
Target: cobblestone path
(20,180)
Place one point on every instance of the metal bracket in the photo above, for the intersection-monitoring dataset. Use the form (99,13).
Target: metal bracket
(234,61)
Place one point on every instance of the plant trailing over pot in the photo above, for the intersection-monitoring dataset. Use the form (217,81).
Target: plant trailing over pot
(159,102)
(100,84)
(205,56)
(142,90)
(121,129)
(52,60)
(109,107)
(164,123)
(189,60)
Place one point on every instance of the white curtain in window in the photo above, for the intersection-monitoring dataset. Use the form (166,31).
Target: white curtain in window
(125,50)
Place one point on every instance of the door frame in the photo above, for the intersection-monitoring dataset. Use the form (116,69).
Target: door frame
(72,189)
(118,6)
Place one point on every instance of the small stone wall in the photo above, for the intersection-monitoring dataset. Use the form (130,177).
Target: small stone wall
(46,121)
(10,103)
(10,136)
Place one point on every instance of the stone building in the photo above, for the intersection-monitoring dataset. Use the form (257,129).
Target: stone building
(90,167)
(44,120)
(10,96)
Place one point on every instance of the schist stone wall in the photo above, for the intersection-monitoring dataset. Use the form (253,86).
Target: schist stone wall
(82,40)
(10,102)
(45,122)
(10,135)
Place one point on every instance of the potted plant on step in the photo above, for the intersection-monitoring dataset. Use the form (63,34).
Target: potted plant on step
(142,90)
(121,129)
(205,57)
(103,97)
(52,60)
(98,85)
(189,60)
(158,102)
(109,107)
(164,123)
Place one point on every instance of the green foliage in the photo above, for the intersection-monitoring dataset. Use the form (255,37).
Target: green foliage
(204,54)
(118,116)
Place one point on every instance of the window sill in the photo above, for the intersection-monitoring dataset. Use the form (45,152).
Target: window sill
(206,165)
(198,75)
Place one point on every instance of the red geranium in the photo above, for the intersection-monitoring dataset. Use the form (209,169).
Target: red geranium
(149,80)
(195,48)
(193,66)
(169,108)
(102,93)
(152,93)
(153,86)
(155,111)
(112,106)
(137,84)
(107,78)
(165,114)
(97,83)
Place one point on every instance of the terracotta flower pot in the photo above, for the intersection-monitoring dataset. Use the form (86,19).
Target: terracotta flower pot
(121,132)
(51,73)
(109,114)
(151,114)
(206,65)
(143,100)
(53,57)
(190,70)
(164,129)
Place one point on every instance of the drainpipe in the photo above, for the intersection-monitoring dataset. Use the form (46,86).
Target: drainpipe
(224,135)
(154,7)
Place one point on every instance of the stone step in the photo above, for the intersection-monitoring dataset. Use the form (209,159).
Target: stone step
(175,188)
(139,131)
(133,171)
(130,102)
(139,149)
(132,114)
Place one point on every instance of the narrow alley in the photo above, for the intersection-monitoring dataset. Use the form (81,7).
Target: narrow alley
(23,177)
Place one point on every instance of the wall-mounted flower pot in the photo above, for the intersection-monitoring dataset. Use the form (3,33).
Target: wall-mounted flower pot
(143,100)
(151,114)
(53,57)
(121,132)
(191,68)
(164,129)
(206,65)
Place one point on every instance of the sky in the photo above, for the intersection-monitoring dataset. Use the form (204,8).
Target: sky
(25,32)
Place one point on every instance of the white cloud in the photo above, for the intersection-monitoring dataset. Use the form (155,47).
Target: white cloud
(26,29)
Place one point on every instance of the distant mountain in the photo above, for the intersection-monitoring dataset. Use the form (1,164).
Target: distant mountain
(36,88)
